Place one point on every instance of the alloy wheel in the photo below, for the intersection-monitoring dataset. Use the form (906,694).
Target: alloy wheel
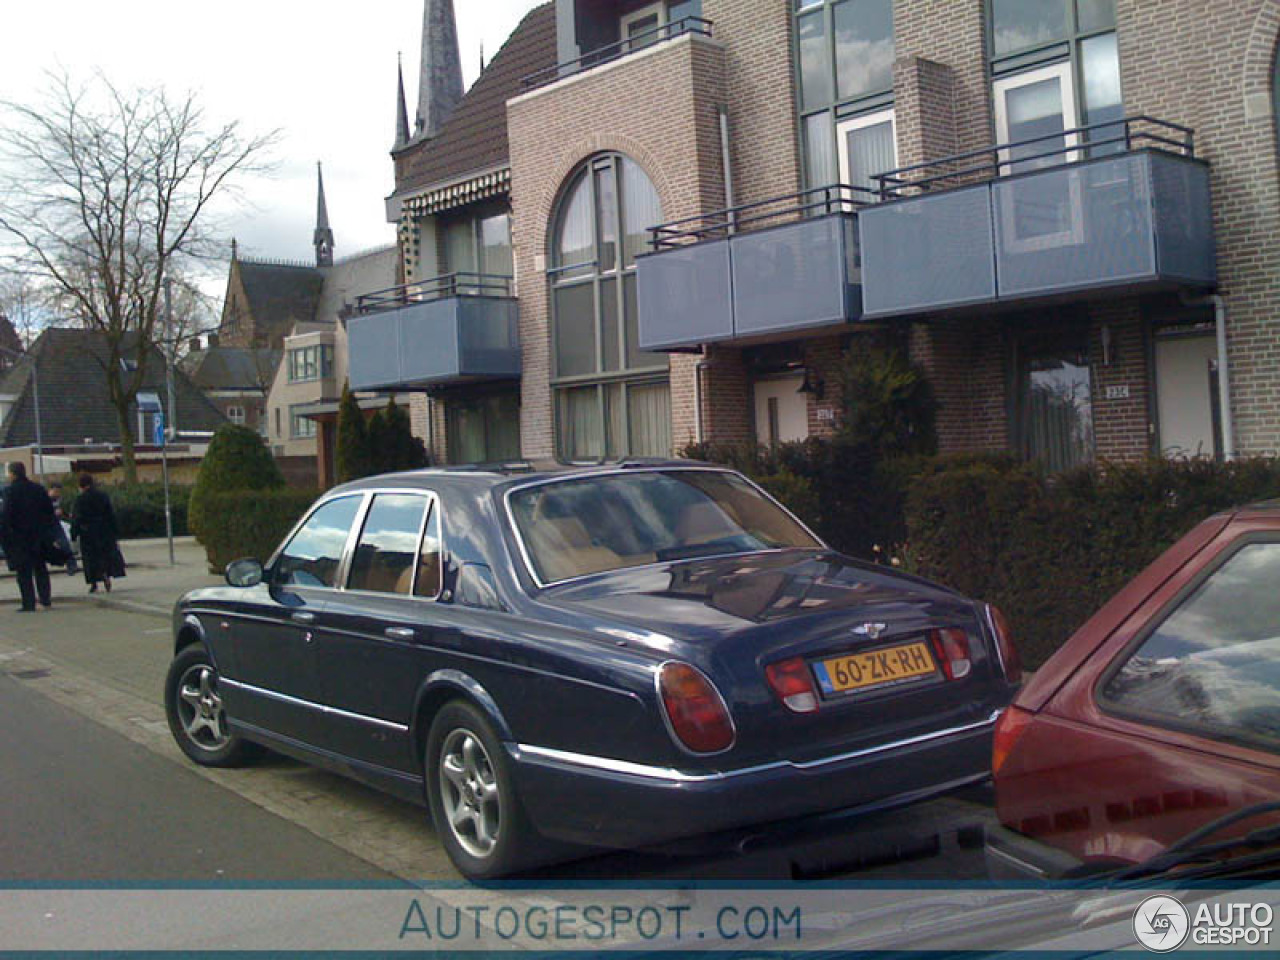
(200,708)
(469,792)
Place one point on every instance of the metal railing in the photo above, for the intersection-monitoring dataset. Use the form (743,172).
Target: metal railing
(719,224)
(1072,146)
(616,51)
(437,288)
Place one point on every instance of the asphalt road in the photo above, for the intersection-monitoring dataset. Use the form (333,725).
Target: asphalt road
(79,803)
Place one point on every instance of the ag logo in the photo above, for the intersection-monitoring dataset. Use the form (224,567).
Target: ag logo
(872,630)
(1161,924)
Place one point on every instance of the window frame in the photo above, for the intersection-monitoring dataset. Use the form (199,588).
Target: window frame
(861,121)
(562,277)
(324,355)
(840,110)
(1023,346)
(1113,710)
(237,414)
(473,220)
(343,575)
(371,496)
(295,419)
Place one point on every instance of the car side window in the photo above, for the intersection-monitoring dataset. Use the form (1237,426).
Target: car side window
(1213,664)
(384,556)
(313,556)
(430,561)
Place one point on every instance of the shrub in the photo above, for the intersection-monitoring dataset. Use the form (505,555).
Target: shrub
(352,459)
(252,524)
(237,459)
(1051,551)
(392,445)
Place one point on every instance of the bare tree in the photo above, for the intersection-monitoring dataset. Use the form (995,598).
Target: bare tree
(23,303)
(103,193)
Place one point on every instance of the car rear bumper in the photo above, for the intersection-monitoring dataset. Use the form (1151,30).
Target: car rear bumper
(1013,856)
(610,803)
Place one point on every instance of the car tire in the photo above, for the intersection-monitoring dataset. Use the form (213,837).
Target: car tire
(476,811)
(197,719)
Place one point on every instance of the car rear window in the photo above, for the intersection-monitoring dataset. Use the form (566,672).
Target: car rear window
(1213,664)
(577,527)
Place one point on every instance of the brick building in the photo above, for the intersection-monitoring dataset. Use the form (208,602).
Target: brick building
(1064,209)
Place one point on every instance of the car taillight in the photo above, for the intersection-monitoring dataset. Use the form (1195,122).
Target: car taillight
(1005,646)
(1012,725)
(793,683)
(952,648)
(695,709)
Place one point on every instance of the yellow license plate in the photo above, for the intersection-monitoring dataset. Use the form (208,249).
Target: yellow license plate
(874,668)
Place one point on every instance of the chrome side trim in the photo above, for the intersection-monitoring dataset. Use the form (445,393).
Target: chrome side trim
(307,704)
(671,775)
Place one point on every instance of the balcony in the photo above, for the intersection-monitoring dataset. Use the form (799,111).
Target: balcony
(458,328)
(608,53)
(774,269)
(1119,206)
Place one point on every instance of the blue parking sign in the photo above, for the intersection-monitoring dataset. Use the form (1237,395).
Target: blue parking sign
(158,438)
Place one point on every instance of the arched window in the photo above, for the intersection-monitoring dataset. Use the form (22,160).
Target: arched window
(612,398)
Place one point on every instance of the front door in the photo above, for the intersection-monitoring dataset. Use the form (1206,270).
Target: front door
(275,685)
(782,411)
(1186,395)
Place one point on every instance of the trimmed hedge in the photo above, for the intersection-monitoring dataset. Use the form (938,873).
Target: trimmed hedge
(139,507)
(1051,551)
(237,459)
(251,523)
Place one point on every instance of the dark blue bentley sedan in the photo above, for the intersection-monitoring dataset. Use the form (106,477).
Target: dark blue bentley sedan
(608,656)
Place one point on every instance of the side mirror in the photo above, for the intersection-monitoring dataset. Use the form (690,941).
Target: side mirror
(244,573)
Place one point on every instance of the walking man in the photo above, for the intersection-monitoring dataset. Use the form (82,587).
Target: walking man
(25,523)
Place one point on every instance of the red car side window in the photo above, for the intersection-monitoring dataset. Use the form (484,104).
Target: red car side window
(1213,664)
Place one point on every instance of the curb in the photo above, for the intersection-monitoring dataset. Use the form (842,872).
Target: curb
(133,606)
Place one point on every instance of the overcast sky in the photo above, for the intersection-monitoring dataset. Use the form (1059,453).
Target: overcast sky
(320,71)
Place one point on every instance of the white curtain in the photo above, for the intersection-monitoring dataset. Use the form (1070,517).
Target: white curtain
(650,411)
(871,151)
(576,237)
(641,209)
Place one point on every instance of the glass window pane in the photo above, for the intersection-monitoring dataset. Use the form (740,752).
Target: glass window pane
(430,560)
(641,210)
(503,427)
(1094,15)
(466,433)
(1215,662)
(1057,410)
(820,150)
(864,47)
(636,358)
(615,428)
(311,559)
(1022,24)
(815,68)
(460,247)
(609,325)
(495,240)
(649,414)
(575,238)
(870,150)
(682,9)
(575,325)
(607,211)
(581,424)
(383,561)
(1036,110)
(1100,62)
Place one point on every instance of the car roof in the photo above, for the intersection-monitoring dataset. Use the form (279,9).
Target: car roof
(510,474)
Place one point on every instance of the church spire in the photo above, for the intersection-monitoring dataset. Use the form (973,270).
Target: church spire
(402,111)
(323,235)
(440,85)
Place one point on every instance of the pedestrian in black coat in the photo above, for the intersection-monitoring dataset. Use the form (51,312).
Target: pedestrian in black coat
(26,522)
(95,525)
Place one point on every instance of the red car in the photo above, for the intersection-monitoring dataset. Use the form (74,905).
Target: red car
(1160,716)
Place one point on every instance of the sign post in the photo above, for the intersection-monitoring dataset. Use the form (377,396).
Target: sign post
(150,403)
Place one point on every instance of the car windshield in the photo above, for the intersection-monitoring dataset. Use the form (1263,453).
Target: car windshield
(576,527)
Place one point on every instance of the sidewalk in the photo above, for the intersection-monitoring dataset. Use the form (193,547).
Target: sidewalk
(152,586)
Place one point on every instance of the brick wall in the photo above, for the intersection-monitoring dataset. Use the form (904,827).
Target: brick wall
(1209,65)
(660,107)
(1121,425)
(965,361)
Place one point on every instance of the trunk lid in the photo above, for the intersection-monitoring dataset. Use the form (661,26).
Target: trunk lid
(734,616)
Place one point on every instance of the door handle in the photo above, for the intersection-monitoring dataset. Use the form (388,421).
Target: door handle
(303,616)
(399,633)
